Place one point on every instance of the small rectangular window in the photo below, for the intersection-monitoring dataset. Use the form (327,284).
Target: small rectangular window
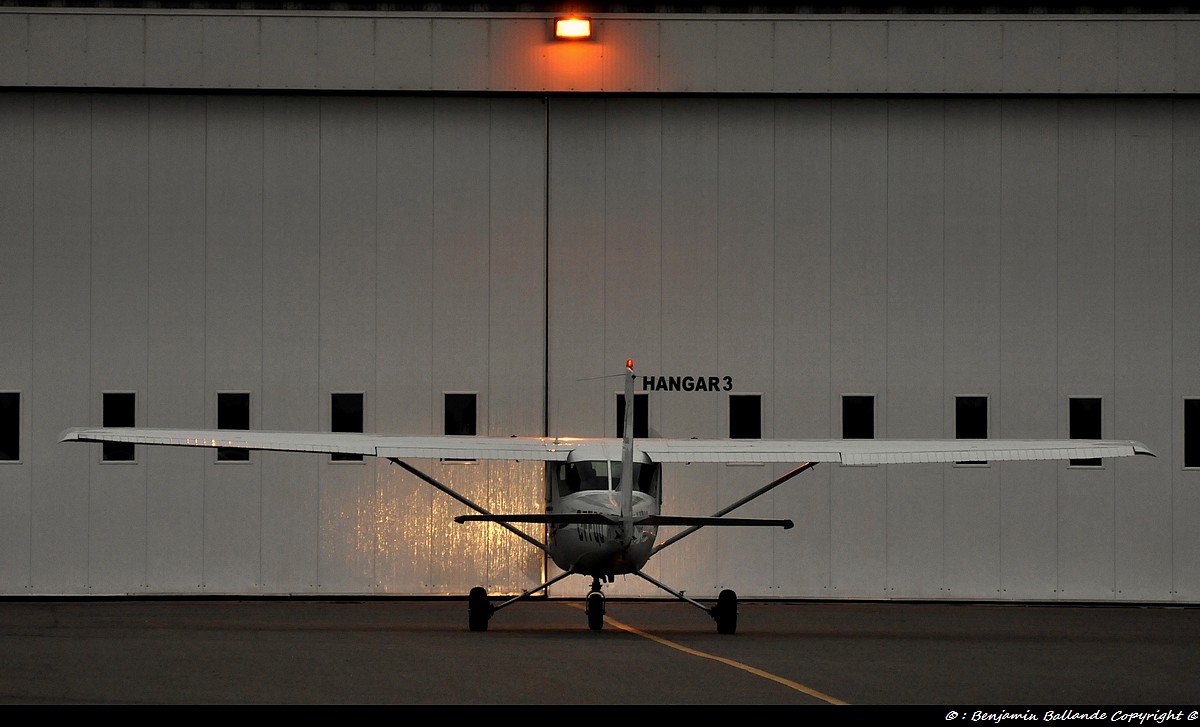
(745,416)
(858,416)
(10,426)
(346,415)
(641,416)
(971,420)
(460,418)
(118,412)
(460,415)
(1191,432)
(1085,424)
(233,412)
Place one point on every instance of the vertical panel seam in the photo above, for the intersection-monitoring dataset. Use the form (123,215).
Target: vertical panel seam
(661,285)
(942,407)
(262,303)
(1171,346)
(204,344)
(91,318)
(1059,402)
(999,398)
(717,329)
(545,280)
(32,313)
(433,243)
(376,479)
(545,555)
(887,286)
(775,580)
(829,312)
(489,542)
(320,384)
(1115,342)
(146,404)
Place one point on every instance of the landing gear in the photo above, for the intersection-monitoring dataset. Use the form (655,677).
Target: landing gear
(595,606)
(595,610)
(725,612)
(479,609)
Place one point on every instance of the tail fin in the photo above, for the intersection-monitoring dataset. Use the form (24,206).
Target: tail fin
(626,493)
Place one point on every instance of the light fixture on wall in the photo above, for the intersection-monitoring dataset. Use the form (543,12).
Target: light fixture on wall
(572,27)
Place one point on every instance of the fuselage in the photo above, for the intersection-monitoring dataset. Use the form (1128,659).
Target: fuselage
(590,483)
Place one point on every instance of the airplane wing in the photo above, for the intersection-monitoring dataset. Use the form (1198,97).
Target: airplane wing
(372,445)
(550,449)
(883,451)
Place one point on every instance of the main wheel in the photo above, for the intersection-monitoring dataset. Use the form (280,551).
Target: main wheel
(725,612)
(479,609)
(595,610)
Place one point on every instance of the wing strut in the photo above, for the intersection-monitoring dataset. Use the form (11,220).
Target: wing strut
(531,591)
(514,530)
(672,591)
(753,495)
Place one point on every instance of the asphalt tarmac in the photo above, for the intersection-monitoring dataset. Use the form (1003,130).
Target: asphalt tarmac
(964,660)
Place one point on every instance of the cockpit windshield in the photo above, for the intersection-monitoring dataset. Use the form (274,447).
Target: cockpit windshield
(580,476)
(583,476)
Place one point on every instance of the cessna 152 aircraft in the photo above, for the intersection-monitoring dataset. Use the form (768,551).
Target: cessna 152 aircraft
(603,496)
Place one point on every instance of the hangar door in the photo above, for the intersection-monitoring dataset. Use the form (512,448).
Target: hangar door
(906,251)
(281,249)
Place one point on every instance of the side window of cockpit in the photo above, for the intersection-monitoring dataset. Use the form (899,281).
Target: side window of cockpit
(568,480)
(647,479)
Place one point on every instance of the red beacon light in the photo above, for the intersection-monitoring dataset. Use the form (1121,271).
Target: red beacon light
(629,364)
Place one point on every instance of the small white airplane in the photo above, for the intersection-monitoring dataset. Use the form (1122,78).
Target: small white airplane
(603,496)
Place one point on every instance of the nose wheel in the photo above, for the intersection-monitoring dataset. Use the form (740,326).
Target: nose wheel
(595,606)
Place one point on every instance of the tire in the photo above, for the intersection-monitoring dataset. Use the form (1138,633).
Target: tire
(725,612)
(595,610)
(479,609)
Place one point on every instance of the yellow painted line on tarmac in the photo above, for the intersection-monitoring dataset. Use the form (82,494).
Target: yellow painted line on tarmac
(728,662)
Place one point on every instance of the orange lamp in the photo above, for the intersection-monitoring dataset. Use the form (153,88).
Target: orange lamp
(572,27)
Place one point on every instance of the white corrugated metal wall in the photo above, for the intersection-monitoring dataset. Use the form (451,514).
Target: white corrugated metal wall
(291,245)
(1024,249)
(180,246)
